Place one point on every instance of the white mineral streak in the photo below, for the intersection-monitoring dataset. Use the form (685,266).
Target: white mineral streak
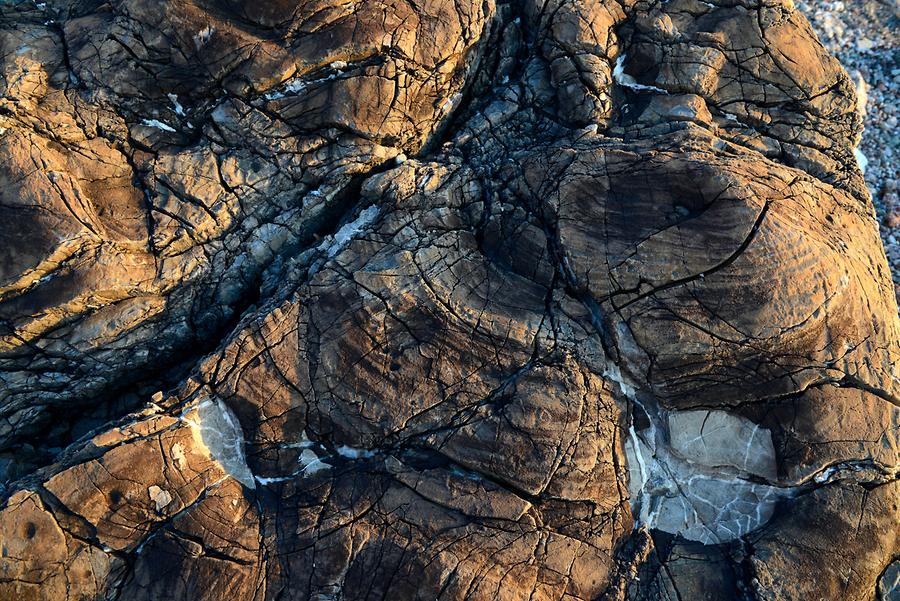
(342,237)
(354,453)
(689,471)
(311,463)
(265,481)
(156,123)
(626,80)
(862,94)
(291,87)
(450,103)
(173,98)
(295,85)
(203,36)
(858,470)
(308,460)
(216,430)
(862,99)
(861,159)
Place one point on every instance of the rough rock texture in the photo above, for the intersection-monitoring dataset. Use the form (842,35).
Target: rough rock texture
(865,36)
(524,300)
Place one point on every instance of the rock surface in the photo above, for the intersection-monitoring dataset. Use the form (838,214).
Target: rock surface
(864,36)
(518,300)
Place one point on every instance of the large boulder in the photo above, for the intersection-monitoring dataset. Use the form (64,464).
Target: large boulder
(416,300)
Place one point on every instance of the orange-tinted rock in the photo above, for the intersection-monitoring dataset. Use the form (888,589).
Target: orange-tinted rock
(486,300)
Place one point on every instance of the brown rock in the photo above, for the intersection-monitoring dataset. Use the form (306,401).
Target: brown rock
(487,300)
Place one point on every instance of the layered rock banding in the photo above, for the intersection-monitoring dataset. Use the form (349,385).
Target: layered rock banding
(519,300)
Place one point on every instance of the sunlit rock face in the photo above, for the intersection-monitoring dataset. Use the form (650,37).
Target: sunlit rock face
(439,300)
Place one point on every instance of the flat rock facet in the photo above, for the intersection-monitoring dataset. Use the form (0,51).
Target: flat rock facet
(720,439)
